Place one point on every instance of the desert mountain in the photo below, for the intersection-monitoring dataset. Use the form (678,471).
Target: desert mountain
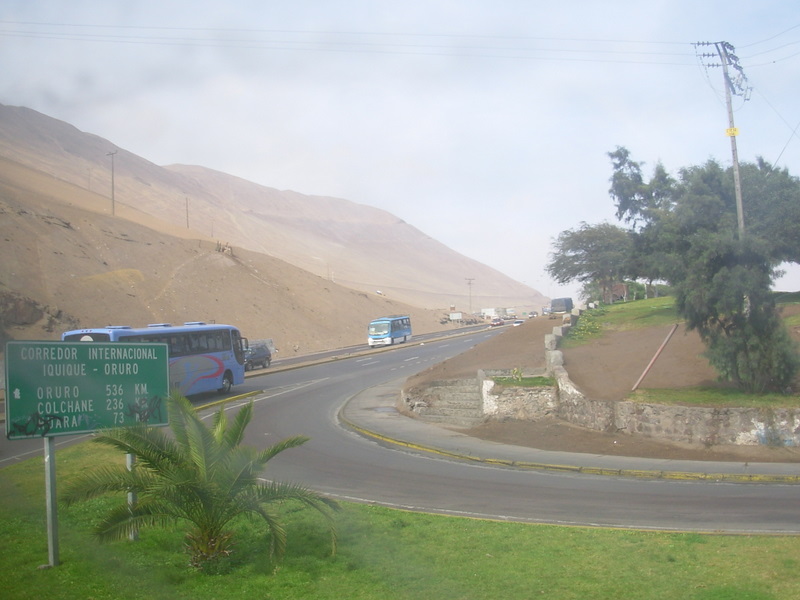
(67,265)
(355,245)
(187,243)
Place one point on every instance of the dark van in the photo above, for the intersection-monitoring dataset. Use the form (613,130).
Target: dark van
(257,355)
(561,306)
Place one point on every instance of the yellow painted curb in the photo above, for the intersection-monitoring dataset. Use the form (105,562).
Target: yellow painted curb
(631,473)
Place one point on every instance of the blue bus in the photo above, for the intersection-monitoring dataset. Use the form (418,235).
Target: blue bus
(202,357)
(389,330)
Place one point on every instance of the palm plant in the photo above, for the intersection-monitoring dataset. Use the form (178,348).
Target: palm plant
(200,475)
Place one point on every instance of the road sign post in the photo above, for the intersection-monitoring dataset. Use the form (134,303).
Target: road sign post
(50,499)
(62,388)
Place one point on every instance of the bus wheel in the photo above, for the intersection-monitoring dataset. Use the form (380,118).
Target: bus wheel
(227,383)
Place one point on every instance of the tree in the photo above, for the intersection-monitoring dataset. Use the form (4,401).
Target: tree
(772,209)
(636,200)
(726,298)
(661,212)
(643,205)
(686,232)
(596,254)
(201,476)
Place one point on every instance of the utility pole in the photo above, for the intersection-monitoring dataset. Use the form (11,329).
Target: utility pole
(733,85)
(736,85)
(113,208)
(469,284)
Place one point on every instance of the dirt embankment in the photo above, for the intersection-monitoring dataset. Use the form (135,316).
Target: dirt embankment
(606,368)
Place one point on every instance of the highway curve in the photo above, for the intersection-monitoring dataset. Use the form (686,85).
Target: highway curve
(349,466)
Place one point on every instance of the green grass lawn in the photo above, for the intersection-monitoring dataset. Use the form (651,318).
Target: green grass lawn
(528,382)
(653,312)
(383,554)
(717,397)
(592,324)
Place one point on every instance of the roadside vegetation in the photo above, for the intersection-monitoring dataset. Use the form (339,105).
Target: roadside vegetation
(382,554)
(526,382)
(653,312)
(622,316)
(517,379)
(688,232)
(722,397)
(199,477)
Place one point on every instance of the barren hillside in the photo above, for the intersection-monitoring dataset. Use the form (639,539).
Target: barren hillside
(353,244)
(66,263)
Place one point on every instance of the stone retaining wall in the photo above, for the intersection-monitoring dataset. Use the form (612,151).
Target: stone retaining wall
(518,403)
(688,424)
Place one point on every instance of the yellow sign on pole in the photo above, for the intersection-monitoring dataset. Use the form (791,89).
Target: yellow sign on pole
(732,131)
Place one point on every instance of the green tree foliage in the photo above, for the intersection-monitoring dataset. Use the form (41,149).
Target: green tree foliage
(202,476)
(596,254)
(685,232)
(726,297)
(772,209)
(636,199)
(702,199)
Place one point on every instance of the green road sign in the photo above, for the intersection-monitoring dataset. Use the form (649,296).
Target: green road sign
(63,388)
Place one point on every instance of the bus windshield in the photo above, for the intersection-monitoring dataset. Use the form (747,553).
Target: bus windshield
(379,328)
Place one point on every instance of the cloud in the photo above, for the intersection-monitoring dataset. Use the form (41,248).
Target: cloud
(485,125)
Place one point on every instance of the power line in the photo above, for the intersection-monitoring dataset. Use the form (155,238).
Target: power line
(342,32)
(508,47)
(793,130)
(378,42)
(769,39)
(773,49)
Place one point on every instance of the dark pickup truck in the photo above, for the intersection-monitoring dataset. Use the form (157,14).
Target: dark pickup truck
(257,355)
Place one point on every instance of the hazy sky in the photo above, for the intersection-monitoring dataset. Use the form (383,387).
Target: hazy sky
(485,124)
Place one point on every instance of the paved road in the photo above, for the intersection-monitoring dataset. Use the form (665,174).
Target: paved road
(354,465)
